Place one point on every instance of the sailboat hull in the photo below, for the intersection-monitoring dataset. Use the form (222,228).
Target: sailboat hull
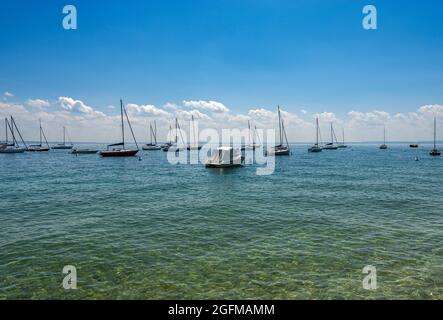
(194,148)
(280,152)
(61,147)
(435,153)
(118,153)
(37,149)
(315,149)
(151,148)
(12,150)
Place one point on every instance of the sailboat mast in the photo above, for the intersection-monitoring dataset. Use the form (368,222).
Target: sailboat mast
(64,135)
(279,126)
(150,132)
(258,136)
(343,136)
(123,126)
(18,131)
(384,135)
(176,130)
(249,131)
(40,121)
(6,130)
(317,130)
(12,132)
(435,132)
(332,134)
(155,132)
(193,130)
(170,133)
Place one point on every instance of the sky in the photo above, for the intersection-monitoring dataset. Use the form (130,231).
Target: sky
(225,62)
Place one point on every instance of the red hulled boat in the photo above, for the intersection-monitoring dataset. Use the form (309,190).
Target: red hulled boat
(118,149)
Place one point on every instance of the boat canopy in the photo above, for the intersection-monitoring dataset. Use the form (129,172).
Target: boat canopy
(226,155)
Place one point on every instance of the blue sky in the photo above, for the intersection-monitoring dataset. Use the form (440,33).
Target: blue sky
(305,55)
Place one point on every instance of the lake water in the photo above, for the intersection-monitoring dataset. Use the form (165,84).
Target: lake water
(151,230)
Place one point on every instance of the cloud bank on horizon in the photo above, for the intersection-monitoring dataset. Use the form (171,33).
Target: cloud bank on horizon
(88,124)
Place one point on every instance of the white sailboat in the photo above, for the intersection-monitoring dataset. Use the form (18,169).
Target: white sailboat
(194,145)
(316,147)
(152,146)
(331,145)
(281,149)
(174,147)
(63,145)
(13,147)
(384,146)
(169,143)
(252,145)
(342,145)
(435,152)
(39,147)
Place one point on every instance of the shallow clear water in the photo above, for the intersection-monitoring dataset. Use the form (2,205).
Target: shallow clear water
(150,230)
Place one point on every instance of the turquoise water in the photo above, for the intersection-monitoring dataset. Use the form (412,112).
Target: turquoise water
(150,230)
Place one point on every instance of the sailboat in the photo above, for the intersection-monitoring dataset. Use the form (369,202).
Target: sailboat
(435,151)
(342,145)
(253,145)
(14,146)
(194,145)
(384,146)
(174,146)
(281,150)
(39,147)
(316,147)
(63,145)
(118,149)
(152,146)
(331,145)
(169,143)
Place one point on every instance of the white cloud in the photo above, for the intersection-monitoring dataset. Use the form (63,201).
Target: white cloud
(87,124)
(78,106)
(38,103)
(304,111)
(433,109)
(8,109)
(8,94)
(262,113)
(369,118)
(171,106)
(206,105)
(187,115)
(147,109)
(327,117)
